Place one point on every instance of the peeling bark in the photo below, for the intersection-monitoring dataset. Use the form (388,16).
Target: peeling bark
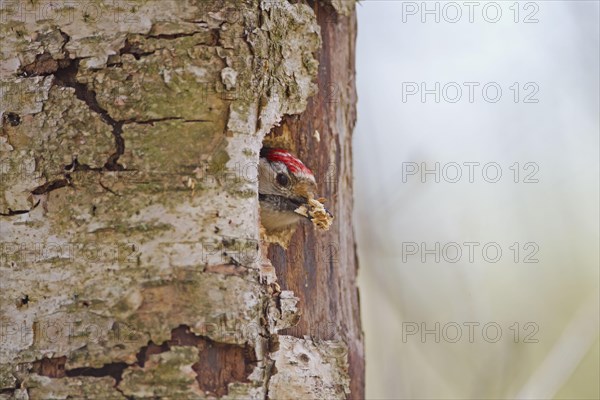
(131,261)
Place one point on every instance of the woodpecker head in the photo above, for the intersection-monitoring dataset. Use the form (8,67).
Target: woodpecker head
(284,184)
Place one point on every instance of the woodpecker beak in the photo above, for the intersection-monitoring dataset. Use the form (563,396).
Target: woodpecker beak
(299,202)
(282,203)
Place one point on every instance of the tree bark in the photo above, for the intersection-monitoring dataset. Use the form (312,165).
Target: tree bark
(320,268)
(132,265)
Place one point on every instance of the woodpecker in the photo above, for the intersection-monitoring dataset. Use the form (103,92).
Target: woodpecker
(284,185)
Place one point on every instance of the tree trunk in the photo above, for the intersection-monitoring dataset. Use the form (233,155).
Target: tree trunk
(131,259)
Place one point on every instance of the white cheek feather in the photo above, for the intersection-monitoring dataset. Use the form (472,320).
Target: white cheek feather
(266,181)
(276,220)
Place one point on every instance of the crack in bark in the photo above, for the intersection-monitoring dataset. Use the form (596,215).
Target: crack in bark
(215,35)
(11,390)
(55,368)
(154,120)
(272,346)
(219,363)
(67,77)
(171,36)
(137,52)
(12,212)
(56,184)
(77,166)
(134,50)
(43,65)
(38,191)
(109,190)
(65,74)
(52,185)
(114,370)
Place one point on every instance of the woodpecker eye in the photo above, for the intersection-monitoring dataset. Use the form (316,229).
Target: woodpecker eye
(282,179)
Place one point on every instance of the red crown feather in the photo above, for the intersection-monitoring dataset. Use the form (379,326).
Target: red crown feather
(294,165)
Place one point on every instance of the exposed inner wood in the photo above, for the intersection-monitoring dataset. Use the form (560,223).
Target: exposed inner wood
(320,267)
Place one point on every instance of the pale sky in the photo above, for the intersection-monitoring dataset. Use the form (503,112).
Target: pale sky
(537,124)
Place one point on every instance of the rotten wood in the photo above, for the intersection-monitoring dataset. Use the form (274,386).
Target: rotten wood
(321,268)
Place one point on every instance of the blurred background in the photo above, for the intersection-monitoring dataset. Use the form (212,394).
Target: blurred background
(476,159)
